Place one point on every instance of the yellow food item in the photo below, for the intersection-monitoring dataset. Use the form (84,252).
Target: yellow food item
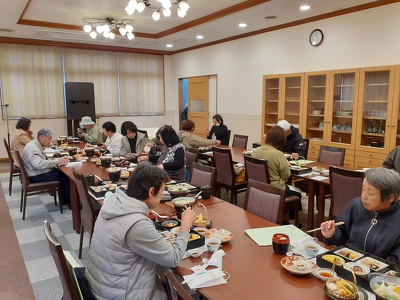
(397,289)
(333,259)
(353,255)
(199,218)
(194,236)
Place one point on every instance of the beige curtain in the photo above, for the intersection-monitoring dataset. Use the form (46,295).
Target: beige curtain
(32,81)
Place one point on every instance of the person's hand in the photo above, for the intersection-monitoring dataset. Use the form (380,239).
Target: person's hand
(143,158)
(140,153)
(30,132)
(217,142)
(328,228)
(295,156)
(161,166)
(63,160)
(187,219)
(104,146)
(151,145)
(207,131)
(264,137)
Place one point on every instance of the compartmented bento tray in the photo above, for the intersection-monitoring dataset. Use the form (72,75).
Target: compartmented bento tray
(299,170)
(169,224)
(349,254)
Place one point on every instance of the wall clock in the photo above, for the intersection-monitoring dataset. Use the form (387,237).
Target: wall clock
(316,37)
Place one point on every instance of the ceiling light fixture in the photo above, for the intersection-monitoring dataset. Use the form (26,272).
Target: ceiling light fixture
(158,6)
(305,7)
(109,27)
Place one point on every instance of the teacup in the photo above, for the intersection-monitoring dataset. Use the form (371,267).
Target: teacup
(280,243)
(311,248)
(213,244)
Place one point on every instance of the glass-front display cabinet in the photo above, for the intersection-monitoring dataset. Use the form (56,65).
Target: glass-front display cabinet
(292,99)
(375,109)
(316,99)
(343,95)
(271,97)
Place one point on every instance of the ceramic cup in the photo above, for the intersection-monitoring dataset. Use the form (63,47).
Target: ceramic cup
(280,243)
(213,244)
(311,248)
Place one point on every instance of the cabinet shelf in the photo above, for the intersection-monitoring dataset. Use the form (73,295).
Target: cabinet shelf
(317,86)
(376,101)
(292,114)
(344,85)
(373,134)
(293,101)
(272,88)
(293,87)
(374,118)
(342,131)
(315,129)
(377,84)
(272,101)
(343,117)
(343,101)
(272,113)
(314,115)
(317,101)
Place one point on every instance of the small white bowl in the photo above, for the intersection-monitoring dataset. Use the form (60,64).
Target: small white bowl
(195,252)
(325,271)
(325,173)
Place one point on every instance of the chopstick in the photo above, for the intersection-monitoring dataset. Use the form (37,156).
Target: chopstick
(316,229)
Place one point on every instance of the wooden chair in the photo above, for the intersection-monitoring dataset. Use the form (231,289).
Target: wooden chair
(88,212)
(192,156)
(229,136)
(143,131)
(257,169)
(226,174)
(175,290)
(331,155)
(307,145)
(204,175)
(265,200)
(240,141)
(71,291)
(345,185)
(14,169)
(28,188)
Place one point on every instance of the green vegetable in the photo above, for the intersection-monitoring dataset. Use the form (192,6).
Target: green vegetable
(349,288)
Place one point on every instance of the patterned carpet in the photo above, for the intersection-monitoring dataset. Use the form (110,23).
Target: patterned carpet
(38,261)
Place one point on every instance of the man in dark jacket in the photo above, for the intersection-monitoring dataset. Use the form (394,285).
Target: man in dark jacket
(294,141)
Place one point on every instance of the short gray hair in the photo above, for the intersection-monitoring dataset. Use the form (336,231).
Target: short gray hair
(46,132)
(386,180)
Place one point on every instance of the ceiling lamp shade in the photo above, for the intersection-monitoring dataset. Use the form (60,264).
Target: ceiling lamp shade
(158,6)
(108,27)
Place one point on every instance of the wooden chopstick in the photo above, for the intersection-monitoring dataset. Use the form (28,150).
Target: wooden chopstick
(316,229)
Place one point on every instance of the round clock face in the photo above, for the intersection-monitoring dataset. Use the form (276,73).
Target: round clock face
(316,37)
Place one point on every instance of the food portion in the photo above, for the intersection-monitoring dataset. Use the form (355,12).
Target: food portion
(298,265)
(386,290)
(349,254)
(342,289)
(334,259)
(170,223)
(357,268)
(373,264)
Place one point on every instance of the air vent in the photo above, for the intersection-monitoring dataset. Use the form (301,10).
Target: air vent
(184,41)
(6,30)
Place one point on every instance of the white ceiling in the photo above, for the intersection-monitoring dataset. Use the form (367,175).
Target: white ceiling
(72,12)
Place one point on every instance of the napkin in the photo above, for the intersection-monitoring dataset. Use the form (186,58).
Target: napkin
(216,259)
(73,164)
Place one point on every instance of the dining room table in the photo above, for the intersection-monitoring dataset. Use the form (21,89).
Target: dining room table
(237,153)
(255,271)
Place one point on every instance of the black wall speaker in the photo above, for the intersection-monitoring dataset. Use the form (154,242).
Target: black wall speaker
(80,100)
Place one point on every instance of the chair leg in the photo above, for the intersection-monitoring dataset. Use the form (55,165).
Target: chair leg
(22,197)
(10,183)
(81,242)
(24,205)
(59,200)
(232,197)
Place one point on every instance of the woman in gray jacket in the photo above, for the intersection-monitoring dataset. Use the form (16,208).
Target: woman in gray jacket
(133,142)
(126,247)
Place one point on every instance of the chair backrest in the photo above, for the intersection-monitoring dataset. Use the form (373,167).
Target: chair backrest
(204,175)
(175,289)
(240,141)
(306,143)
(24,173)
(143,131)
(224,165)
(265,200)
(331,155)
(10,157)
(229,136)
(257,169)
(88,216)
(192,156)
(70,292)
(345,185)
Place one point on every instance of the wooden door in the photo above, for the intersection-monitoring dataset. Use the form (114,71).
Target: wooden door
(198,103)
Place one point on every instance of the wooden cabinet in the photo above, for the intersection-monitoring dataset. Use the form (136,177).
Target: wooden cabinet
(282,99)
(356,109)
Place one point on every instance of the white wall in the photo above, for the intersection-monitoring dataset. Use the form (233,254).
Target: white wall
(367,38)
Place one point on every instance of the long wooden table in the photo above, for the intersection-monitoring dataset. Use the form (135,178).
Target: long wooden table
(237,153)
(255,272)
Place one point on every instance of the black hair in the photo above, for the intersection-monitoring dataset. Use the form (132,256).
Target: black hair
(219,119)
(109,126)
(23,123)
(169,136)
(128,125)
(143,178)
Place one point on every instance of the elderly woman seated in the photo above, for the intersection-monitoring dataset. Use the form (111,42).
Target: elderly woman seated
(190,140)
(370,221)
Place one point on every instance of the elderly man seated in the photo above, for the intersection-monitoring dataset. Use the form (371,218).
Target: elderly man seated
(40,169)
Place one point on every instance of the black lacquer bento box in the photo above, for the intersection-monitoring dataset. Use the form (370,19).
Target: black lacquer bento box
(357,257)
(166,227)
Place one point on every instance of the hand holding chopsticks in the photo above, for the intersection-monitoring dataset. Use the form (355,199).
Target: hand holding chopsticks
(316,229)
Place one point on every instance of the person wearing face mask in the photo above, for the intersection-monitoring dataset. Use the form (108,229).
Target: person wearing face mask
(133,142)
(370,221)
(22,136)
(126,248)
(218,131)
